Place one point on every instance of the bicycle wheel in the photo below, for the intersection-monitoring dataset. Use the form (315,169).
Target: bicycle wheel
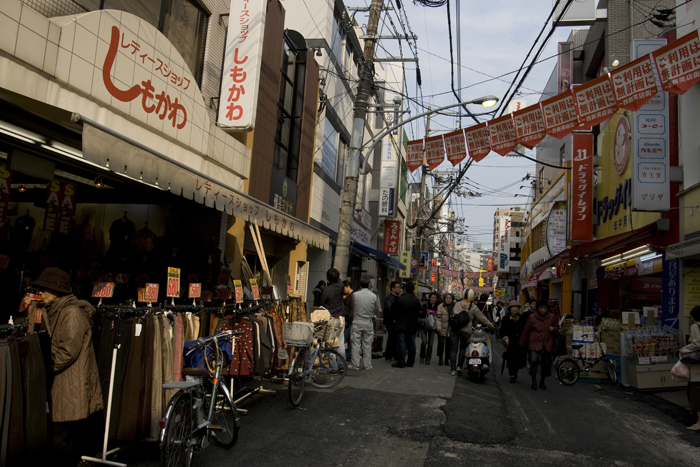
(175,448)
(295,386)
(610,371)
(327,373)
(225,418)
(568,371)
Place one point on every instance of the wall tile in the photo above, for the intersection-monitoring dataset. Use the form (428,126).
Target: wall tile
(11,8)
(54,33)
(8,38)
(50,58)
(81,73)
(63,65)
(101,54)
(91,22)
(99,91)
(31,47)
(131,23)
(124,69)
(67,35)
(107,21)
(85,44)
(35,21)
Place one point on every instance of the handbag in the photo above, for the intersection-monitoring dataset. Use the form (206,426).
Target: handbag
(429,323)
(692,358)
(681,370)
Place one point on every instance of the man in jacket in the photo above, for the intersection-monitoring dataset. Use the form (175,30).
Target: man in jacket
(365,306)
(405,312)
(332,300)
(460,338)
(76,396)
(395,289)
(349,315)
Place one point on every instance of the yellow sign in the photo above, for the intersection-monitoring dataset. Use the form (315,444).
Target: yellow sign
(692,292)
(405,259)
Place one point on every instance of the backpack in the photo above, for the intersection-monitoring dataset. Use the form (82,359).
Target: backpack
(458,321)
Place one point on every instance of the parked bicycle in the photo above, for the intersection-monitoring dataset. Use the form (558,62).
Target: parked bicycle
(201,410)
(568,369)
(313,360)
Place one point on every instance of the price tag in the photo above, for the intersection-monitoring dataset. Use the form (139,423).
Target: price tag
(238,286)
(150,294)
(138,329)
(103,290)
(660,359)
(195,291)
(173,282)
(644,361)
(254,289)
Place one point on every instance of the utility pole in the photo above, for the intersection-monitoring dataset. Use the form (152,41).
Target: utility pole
(421,202)
(364,88)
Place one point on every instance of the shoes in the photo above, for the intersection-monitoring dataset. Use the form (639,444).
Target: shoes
(398,365)
(534,384)
(695,427)
(440,361)
(453,373)
(542,386)
(422,360)
(427,362)
(352,367)
(368,368)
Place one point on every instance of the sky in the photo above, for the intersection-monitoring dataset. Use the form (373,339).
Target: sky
(496,36)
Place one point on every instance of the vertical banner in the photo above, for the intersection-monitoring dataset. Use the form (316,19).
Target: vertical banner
(490,264)
(173,288)
(423,262)
(678,63)
(405,259)
(392,237)
(255,289)
(651,184)
(502,134)
(455,146)
(238,287)
(387,180)
(504,245)
(60,206)
(5,184)
(242,59)
(434,151)
(671,295)
(565,66)
(478,141)
(414,154)
(582,188)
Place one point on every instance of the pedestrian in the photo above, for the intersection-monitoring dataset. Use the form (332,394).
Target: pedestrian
(693,389)
(318,290)
(388,320)
(530,309)
(538,337)
(427,336)
(76,396)
(512,328)
(460,337)
(499,312)
(406,311)
(332,300)
(442,328)
(366,308)
(485,306)
(347,303)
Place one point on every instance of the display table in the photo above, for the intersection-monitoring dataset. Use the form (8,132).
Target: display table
(652,376)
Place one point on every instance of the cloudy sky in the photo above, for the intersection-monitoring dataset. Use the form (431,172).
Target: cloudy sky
(496,36)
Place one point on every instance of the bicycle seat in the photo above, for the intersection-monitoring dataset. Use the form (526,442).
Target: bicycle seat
(198,371)
(180,385)
(573,346)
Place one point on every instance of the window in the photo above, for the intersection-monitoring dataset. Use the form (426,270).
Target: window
(185,26)
(150,11)
(330,149)
(337,42)
(562,155)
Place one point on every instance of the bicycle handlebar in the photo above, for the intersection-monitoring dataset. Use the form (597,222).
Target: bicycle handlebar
(205,340)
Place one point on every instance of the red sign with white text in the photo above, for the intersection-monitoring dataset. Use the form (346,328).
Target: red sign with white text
(414,154)
(60,206)
(478,141)
(490,264)
(434,151)
(195,290)
(634,84)
(595,101)
(502,133)
(392,237)
(529,126)
(103,290)
(582,188)
(679,63)
(559,113)
(173,289)
(151,293)
(456,146)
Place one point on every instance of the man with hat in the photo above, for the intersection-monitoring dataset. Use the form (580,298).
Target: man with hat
(76,397)
(512,327)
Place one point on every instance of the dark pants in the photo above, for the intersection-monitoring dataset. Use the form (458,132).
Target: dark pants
(78,438)
(426,344)
(443,348)
(543,359)
(458,343)
(406,344)
(348,341)
(391,344)
(34,382)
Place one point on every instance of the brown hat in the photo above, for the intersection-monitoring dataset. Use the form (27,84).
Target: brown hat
(513,303)
(55,280)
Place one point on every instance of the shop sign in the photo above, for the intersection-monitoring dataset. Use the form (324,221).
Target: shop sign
(529,126)
(434,151)
(678,63)
(359,234)
(671,302)
(554,307)
(490,264)
(283,193)
(423,261)
(504,245)
(595,101)
(414,154)
(387,187)
(502,134)
(60,206)
(634,84)
(559,113)
(392,237)
(478,141)
(195,290)
(582,188)
(622,144)
(405,259)
(566,66)
(254,289)
(607,207)
(103,289)
(651,184)
(386,202)
(647,286)
(173,289)
(556,228)
(5,184)
(692,290)
(365,218)
(456,147)
(242,60)
(238,287)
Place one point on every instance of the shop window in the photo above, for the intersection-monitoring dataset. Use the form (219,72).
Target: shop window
(184,23)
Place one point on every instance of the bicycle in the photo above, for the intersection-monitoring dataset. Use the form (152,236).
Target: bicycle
(568,369)
(323,368)
(201,410)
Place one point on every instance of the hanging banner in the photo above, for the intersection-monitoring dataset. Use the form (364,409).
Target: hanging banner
(478,141)
(5,184)
(582,188)
(634,84)
(414,154)
(392,237)
(423,261)
(242,59)
(173,289)
(678,63)
(455,146)
(502,134)
(559,114)
(556,228)
(565,66)
(490,264)
(60,206)
(405,259)
(529,126)
(504,245)
(434,151)
(387,186)
(595,101)
(671,303)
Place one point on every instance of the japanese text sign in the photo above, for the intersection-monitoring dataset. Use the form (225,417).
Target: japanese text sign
(529,126)
(242,62)
(559,114)
(5,184)
(414,154)
(238,287)
(582,188)
(679,63)
(634,84)
(254,289)
(60,206)
(504,245)
(173,289)
(392,237)
(405,259)
(502,133)
(434,151)
(478,141)
(455,146)
(195,290)
(671,302)
(595,101)
(103,289)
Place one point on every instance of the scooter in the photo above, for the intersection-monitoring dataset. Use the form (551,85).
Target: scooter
(478,354)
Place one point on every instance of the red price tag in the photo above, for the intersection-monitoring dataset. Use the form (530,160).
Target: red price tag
(254,289)
(195,291)
(173,282)
(103,290)
(238,286)
(151,293)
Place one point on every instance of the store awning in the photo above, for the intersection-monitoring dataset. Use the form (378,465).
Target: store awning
(121,155)
(606,246)
(683,249)
(380,256)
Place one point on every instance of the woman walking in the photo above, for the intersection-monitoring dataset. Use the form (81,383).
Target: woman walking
(428,337)
(694,383)
(444,311)
(512,327)
(538,337)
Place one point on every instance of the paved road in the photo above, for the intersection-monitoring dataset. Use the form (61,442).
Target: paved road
(425,417)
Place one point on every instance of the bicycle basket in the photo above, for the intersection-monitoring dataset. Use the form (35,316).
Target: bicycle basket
(298,333)
(330,331)
(196,356)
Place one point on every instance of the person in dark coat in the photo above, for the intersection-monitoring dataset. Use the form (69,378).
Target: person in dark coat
(512,327)
(428,337)
(347,302)
(530,309)
(388,320)
(406,311)
(538,337)
(332,295)
(318,290)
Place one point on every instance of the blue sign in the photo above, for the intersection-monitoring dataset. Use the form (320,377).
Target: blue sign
(391,202)
(503,262)
(672,295)
(414,270)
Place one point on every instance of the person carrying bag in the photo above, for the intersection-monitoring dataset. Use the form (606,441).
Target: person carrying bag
(690,355)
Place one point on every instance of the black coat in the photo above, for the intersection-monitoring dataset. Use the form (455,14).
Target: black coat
(515,354)
(332,299)
(406,310)
(388,317)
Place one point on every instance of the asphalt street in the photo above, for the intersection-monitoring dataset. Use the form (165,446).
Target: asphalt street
(425,417)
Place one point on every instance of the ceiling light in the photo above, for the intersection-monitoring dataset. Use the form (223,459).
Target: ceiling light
(650,256)
(615,61)
(22,189)
(20,133)
(98,182)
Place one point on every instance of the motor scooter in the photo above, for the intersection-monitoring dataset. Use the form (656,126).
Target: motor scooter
(478,354)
